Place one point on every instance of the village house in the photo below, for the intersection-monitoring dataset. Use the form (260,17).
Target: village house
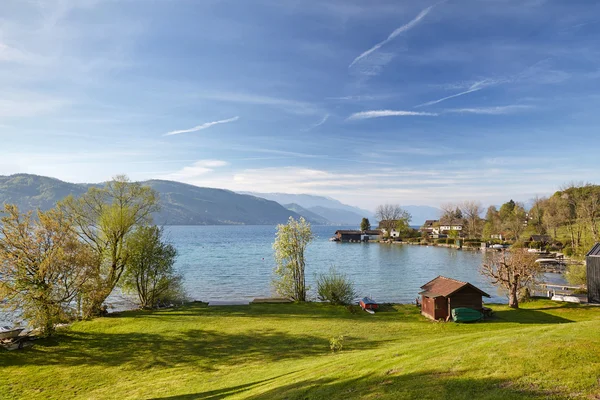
(441,295)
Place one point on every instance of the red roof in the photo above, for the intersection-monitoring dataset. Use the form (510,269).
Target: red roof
(442,286)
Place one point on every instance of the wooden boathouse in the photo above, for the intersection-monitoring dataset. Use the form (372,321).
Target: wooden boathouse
(441,295)
(592,260)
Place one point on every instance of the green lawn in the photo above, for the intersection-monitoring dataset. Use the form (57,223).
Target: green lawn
(281,351)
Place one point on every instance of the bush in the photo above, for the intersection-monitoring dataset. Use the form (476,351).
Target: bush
(441,241)
(576,274)
(336,343)
(335,288)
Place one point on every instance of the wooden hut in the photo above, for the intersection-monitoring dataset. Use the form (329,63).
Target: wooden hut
(348,235)
(592,259)
(441,295)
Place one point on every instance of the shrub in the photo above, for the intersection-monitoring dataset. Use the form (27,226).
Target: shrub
(441,241)
(336,343)
(576,274)
(335,288)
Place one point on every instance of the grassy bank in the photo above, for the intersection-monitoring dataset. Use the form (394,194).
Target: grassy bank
(546,350)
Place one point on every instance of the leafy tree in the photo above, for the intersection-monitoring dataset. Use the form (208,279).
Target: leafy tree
(577,274)
(512,271)
(390,215)
(149,271)
(492,222)
(514,218)
(365,225)
(43,266)
(104,218)
(291,241)
(336,288)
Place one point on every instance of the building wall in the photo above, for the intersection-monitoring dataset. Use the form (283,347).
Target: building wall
(428,307)
(441,308)
(593,279)
(466,297)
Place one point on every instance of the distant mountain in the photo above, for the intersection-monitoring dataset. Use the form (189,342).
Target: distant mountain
(333,210)
(308,215)
(182,204)
(343,214)
(339,216)
(422,213)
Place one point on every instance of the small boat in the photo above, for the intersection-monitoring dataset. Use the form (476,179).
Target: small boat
(9,333)
(463,314)
(367,304)
(497,246)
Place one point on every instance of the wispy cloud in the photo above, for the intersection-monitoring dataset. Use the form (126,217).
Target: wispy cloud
(497,110)
(388,113)
(472,88)
(321,122)
(392,35)
(201,127)
(198,168)
(293,106)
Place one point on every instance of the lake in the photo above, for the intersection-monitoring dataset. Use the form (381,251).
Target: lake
(236,263)
(231,263)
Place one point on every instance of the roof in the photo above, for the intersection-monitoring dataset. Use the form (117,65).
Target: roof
(595,251)
(372,232)
(348,232)
(442,286)
(430,222)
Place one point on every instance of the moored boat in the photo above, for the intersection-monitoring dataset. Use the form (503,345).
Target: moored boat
(368,304)
(9,333)
(463,314)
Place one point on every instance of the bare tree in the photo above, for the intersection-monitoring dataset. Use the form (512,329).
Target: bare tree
(471,211)
(512,271)
(389,216)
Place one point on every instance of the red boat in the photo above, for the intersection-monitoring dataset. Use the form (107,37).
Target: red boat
(367,304)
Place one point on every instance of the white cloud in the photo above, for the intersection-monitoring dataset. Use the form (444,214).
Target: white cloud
(497,110)
(201,127)
(388,113)
(199,168)
(392,35)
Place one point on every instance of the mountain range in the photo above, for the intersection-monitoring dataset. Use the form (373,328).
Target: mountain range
(183,204)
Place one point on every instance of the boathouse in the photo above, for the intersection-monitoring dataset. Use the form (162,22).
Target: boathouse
(348,235)
(592,259)
(441,295)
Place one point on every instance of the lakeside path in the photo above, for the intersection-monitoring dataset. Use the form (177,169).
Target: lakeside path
(276,351)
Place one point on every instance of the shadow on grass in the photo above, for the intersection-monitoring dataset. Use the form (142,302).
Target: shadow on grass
(433,385)
(202,348)
(528,316)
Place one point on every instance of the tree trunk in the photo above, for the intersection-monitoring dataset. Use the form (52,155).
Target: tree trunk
(513,297)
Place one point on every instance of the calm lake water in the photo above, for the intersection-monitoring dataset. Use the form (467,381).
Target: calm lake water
(236,263)
(227,263)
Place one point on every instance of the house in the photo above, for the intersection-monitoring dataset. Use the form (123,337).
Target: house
(545,239)
(441,295)
(592,260)
(394,233)
(429,226)
(348,235)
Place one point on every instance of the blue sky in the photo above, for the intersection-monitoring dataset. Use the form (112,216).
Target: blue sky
(410,102)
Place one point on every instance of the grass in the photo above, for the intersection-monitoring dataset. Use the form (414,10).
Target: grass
(281,351)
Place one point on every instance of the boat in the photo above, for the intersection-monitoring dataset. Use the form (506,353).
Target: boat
(368,304)
(497,246)
(7,332)
(463,314)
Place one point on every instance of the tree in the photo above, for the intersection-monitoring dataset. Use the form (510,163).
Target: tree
(291,241)
(365,225)
(492,222)
(390,214)
(43,266)
(149,271)
(471,210)
(512,271)
(514,218)
(536,215)
(104,218)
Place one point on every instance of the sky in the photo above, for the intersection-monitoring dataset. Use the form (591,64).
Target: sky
(409,102)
